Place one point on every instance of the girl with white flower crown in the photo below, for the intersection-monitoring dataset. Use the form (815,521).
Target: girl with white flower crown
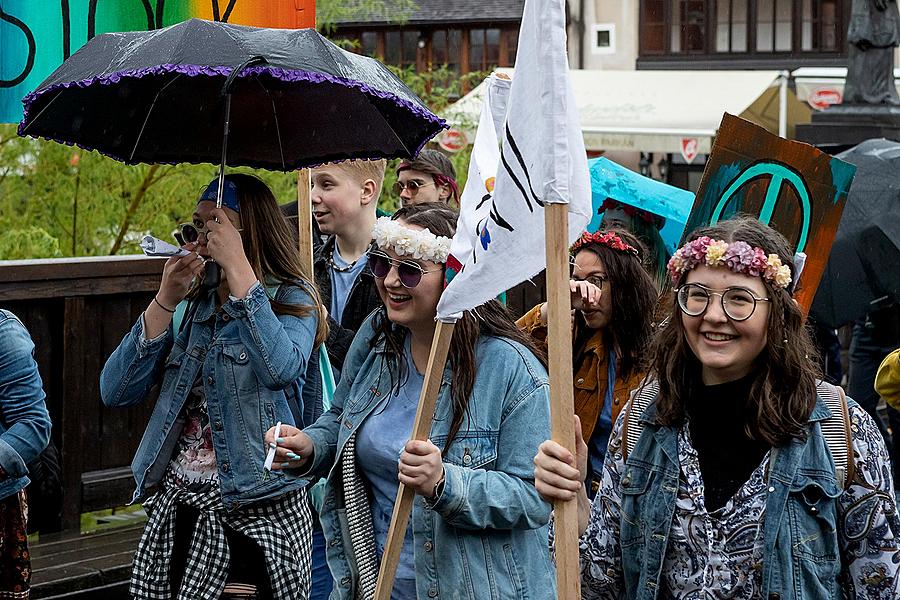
(479,527)
(734,473)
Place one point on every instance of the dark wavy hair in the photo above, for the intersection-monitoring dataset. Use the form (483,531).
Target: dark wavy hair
(633,300)
(783,392)
(491,318)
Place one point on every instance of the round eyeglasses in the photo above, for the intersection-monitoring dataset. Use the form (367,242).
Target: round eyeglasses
(409,272)
(738,303)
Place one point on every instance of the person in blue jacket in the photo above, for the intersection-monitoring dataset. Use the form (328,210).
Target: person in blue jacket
(478,528)
(235,365)
(24,433)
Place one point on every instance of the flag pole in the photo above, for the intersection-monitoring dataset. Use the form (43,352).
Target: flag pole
(440,347)
(562,408)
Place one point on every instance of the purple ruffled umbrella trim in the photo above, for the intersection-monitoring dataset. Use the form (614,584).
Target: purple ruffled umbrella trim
(277,72)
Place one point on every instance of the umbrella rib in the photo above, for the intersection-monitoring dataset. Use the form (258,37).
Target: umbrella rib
(149,112)
(34,120)
(275,115)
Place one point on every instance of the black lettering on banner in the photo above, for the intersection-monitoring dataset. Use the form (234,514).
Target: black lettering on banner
(32,50)
(226,14)
(511,143)
(66,29)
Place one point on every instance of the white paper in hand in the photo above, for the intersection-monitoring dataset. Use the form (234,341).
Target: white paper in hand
(156,247)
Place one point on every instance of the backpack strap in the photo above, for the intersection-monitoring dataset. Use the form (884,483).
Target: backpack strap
(836,431)
(632,427)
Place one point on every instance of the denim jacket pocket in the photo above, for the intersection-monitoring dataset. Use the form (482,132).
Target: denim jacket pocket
(812,510)
(633,487)
(471,449)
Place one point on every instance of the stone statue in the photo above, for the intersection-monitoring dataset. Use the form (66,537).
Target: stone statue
(874,33)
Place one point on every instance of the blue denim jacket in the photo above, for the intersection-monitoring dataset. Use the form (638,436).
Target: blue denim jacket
(249,359)
(802,558)
(24,421)
(486,536)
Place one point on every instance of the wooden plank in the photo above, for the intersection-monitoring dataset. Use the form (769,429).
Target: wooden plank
(76,414)
(81,267)
(106,488)
(304,220)
(562,407)
(431,386)
(55,543)
(81,576)
(64,288)
(80,556)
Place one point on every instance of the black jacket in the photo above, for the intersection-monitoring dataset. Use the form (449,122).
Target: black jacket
(363,300)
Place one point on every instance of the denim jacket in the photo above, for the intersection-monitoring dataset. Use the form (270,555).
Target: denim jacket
(24,421)
(486,535)
(801,557)
(248,358)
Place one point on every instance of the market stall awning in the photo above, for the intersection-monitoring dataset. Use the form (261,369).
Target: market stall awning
(657,111)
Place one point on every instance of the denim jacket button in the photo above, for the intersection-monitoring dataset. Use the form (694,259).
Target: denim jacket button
(428,546)
(432,592)
(467,459)
(345,581)
(242,356)
(210,380)
(771,489)
(226,317)
(218,425)
(225,467)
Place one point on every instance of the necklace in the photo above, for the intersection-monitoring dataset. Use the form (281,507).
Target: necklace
(338,268)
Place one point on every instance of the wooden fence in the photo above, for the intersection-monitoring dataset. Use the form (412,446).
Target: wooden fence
(77,311)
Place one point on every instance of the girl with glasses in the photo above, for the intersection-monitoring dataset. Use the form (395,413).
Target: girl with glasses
(229,359)
(478,527)
(613,299)
(728,484)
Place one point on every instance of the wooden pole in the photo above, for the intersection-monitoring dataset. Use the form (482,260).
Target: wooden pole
(440,346)
(304,221)
(562,407)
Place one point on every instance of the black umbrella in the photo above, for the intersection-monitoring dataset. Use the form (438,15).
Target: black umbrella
(862,270)
(158,97)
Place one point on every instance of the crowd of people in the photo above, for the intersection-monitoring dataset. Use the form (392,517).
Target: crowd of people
(712,461)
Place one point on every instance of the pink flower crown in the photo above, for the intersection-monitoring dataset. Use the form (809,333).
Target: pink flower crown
(740,257)
(609,239)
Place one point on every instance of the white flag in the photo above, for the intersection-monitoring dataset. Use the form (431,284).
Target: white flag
(542,160)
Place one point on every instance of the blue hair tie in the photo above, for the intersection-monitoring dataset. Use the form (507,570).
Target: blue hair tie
(229,194)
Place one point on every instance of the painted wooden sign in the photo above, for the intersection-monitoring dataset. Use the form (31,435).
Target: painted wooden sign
(797,189)
(36,36)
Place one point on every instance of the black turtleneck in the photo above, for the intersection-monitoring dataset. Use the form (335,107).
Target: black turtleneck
(718,414)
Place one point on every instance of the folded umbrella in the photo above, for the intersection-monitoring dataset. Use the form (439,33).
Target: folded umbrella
(159,96)
(862,266)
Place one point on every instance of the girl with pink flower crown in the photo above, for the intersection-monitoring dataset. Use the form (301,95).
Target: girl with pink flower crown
(723,478)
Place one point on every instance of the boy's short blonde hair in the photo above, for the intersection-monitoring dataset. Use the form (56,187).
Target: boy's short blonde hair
(361,170)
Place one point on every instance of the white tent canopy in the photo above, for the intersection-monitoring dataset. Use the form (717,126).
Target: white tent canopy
(650,111)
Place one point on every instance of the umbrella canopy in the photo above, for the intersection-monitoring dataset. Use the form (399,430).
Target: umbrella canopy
(862,267)
(610,180)
(157,97)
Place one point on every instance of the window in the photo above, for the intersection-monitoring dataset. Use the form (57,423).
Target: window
(751,28)
(604,38)
(484,49)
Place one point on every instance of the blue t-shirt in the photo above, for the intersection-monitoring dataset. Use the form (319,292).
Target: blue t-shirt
(379,442)
(342,282)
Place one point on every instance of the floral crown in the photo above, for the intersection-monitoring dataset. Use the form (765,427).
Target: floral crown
(740,257)
(608,239)
(418,243)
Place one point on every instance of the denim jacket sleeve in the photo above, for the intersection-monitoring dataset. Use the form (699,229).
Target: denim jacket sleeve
(26,422)
(324,432)
(279,345)
(131,370)
(503,497)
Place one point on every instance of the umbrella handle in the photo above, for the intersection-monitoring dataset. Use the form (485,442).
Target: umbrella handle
(226,91)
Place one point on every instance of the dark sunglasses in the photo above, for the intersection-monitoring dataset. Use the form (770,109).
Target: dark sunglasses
(190,233)
(409,272)
(413,186)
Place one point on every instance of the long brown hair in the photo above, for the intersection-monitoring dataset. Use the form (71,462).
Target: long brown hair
(271,248)
(783,392)
(633,299)
(489,319)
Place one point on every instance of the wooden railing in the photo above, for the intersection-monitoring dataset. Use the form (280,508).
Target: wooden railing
(77,311)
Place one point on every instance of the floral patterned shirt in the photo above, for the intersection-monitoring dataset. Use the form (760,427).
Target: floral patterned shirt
(193,465)
(719,554)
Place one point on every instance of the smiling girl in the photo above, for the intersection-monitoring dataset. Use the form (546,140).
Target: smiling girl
(478,527)
(730,489)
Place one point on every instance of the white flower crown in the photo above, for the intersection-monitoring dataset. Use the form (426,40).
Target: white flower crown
(418,243)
